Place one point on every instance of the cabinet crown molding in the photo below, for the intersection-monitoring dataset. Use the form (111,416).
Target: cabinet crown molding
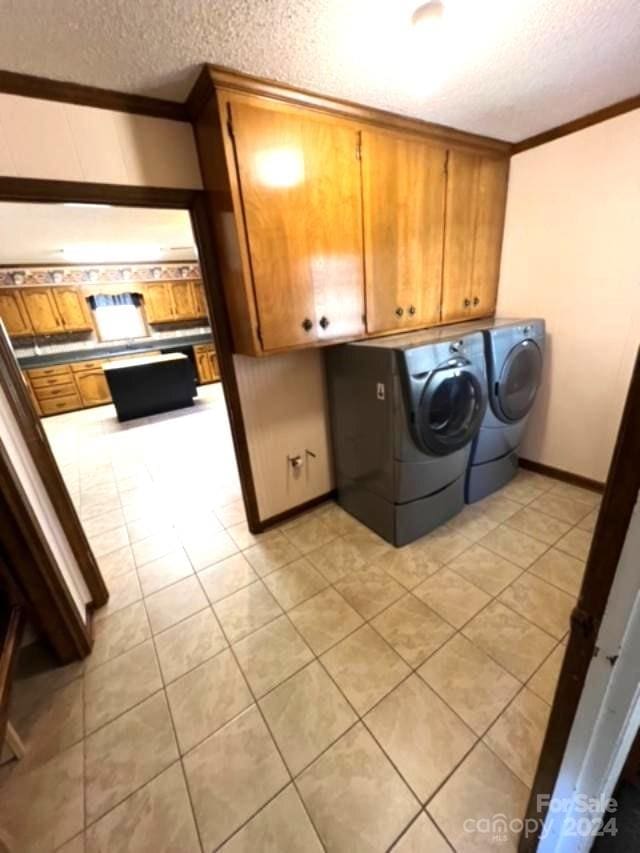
(217,77)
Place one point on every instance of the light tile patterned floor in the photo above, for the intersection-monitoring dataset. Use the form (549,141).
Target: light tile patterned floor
(304,689)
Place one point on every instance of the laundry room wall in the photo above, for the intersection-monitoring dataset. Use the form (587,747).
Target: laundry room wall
(283,397)
(69,142)
(570,255)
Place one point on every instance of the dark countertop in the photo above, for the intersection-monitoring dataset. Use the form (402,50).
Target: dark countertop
(112,350)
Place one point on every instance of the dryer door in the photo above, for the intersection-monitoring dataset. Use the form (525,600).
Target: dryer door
(516,389)
(451,408)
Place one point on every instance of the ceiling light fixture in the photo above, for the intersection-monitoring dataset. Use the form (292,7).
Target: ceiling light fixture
(428,15)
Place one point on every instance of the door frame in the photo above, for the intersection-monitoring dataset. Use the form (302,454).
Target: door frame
(11,379)
(618,502)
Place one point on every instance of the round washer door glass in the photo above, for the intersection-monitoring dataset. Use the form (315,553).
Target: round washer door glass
(519,380)
(450,410)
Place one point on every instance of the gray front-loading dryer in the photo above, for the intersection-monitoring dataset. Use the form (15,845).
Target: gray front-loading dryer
(404,411)
(514,351)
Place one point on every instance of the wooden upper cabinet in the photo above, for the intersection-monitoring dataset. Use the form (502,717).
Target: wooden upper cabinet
(476,198)
(14,314)
(174,301)
(158,303)
(299,179)
(184,301)
(72,309)
(42,310)
(403,191)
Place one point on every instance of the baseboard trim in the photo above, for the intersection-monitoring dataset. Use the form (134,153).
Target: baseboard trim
(565,476)
(295,510)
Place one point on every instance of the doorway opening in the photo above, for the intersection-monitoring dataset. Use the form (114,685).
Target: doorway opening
(109,321)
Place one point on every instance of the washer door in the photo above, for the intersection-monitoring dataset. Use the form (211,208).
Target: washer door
(450,409)
(519,381)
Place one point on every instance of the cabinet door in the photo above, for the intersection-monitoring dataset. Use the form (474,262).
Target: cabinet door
(199,299)
(13,313)
(202,364)
(93,388)
(41,309)
(213,366)
(300,184)
(158,303)
(476,196)
(403,190)
(72,309)
(183,298)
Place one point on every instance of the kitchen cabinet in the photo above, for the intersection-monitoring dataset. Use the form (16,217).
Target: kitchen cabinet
(42,311)
(72,308)
(183,300)
(300,180)
(174,301)
(206,363)
(14,314)
(157,302)
(200,299)
(56,310)
(403,197)
(54,389)
(91,383)
(476,198)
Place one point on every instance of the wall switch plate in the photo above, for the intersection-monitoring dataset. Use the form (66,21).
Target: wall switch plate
(380,391)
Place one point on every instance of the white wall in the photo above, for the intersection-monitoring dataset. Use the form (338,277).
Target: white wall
(68,142)
(22,461)
(571,254)
(284,402)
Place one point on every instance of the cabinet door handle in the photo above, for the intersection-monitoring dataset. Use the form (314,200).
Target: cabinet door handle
(412,310)
(307,325)
(399,311)
(476,300)
(324,322)
(467,303)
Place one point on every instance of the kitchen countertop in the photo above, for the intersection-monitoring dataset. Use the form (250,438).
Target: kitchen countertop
(111,350)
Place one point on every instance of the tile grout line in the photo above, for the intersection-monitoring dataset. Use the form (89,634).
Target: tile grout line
(315,656)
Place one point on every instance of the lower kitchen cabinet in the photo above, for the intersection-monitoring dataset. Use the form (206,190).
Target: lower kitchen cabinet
(92,387)
(206,363)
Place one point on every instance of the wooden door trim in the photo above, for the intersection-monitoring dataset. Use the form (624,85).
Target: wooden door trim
(44,88)
(28,420)
(27,560)
(620,496)
(195,201)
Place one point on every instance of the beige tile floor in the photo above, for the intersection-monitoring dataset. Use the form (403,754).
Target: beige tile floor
(310,688)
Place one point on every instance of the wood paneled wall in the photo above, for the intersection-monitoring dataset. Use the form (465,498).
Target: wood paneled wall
(68,142)
(284,403)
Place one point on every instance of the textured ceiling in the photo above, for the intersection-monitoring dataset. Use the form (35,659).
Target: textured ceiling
(36,233)
(506,68)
